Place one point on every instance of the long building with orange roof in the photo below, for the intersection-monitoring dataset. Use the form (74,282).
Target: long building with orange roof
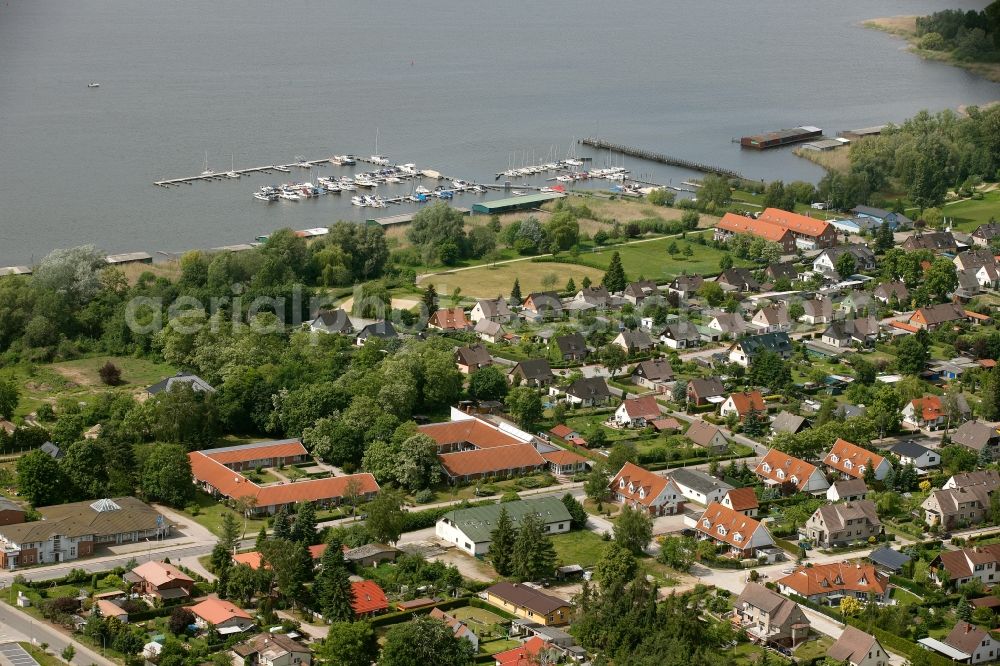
(736,532)
(851,460)
(732,224)
(809,232)
(819,582)
(777,468)
(224,479)
(471,448)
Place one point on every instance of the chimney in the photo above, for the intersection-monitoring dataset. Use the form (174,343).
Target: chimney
(968,627)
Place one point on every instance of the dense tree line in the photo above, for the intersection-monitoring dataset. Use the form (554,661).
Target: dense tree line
(968,35)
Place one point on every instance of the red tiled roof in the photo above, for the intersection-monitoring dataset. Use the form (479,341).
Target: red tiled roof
(728,526)
(561,430)
(790,466)
(368,597)
(217,611)
(929,407)
(645,407)
(743,499)
(987,363)
(277,450)
(450,319)
(738,224)
(495,459)
(563,457)
(473,431)
(161,573)
(902,325)
(831,578)
(641,485)
(745,401)
(800,224)
(523,655)
(667,424)
(253,558)
(857,456)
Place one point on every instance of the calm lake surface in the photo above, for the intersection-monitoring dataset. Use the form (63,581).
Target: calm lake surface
(462,88)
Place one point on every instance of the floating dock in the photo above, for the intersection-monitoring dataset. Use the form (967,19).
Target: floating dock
(650,156)
(781,137)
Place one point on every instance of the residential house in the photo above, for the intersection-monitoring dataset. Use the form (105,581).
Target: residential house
(817,311)
(971,644)
(769,618)
(634,341)
(563,431)
(823,583)
(67,532)
(782,271)
(958,567)
(472,358)
(637,412)
(785,421)
(728,324)
(739,535)
(738,279)
(834,525)
(254,559)
(985,234)
(160,580)
(636,292)
(771,318)
(842,333)
(655,374)
(743,403)
(856,648)
(777,468)
(935,241)
(458,628)
(742,500)
(379,329)
(543,305)
(11,513)
(269,649)
(470,448)
(588,392)
(563,463)
(971,259)
(194,382)
(935,315)
(809,233)
(639,488)
(471,529)
(368,555)
(495,310)
(742,352)
(826,262)
(857,303)
(680,335)
(847,490)
(703,391)
(529,603)
(911,453)
(597,297)
(685,286)
(886,291)
(224,616)
(534,372)
(986,477)
(699,486)
(707,436)
(974,435)
(449,319)
(535,650)
(851,460)
(958,507)
(489,330)
(739,225)
(110,609)
(571,347)
(332,321)
(929,412)
(369,599)
(883,216)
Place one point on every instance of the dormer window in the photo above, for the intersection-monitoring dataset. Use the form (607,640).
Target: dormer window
(642,493)
(861,469)
(848,464)
(631,487)
(621,483)
(834,458)
(794,479)
(706,523)
(721,530)
(863,580)
(738,538)
(766,467)
(781,474)
(838,580)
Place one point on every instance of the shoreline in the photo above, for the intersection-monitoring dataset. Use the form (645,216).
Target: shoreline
(904,27)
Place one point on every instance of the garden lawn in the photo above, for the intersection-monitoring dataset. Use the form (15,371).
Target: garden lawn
(581,547)
(812,649)
(747,654)
(210,514)
(970,213)
(904,597)
(649,258)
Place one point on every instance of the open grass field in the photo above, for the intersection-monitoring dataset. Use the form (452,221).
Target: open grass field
(80,380)
(210,512)
(581,547)
(650,259)
(488,281)
(970,213)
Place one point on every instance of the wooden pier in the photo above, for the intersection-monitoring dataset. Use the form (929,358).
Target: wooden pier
(281,168)
(650,156)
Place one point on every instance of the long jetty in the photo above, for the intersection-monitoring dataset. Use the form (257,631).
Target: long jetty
(650,156)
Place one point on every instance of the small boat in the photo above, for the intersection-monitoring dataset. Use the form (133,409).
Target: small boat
(232,168)
(207,171)
(289,196)
(518,193)
(446,194)
(344,160)
(94,85)
(546,189)
(281,169)
(365,181)
(421,190)
(265,197)
(359,201)
(393,179)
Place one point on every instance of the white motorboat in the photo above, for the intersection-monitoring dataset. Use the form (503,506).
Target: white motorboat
(410,169)
(289,196)
(281,169)
(393,179)
(421,190)
(94,84)
(265,197)
(365,181)
(518,193)
(359,201)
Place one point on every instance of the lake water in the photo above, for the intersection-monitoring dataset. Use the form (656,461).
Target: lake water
(461,88)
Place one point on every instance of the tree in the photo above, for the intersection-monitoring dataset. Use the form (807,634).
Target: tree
(281,530)
(845,265)
(633,530)
(570,286)
(525,405)
(333,591)
(620,454)
(755,423)
(40,479)
(850,607)
(585,284)
(489,383)
(424,641)
(515,292)
(613,357)
(429,299)
(714,193)
(418,466)
(616,567)
(941,279)
(884,239)
(242,583)
(725,262)
(678,552)
(533,556)
(911,355)
(165,475)
(963,609)
(990,405)
(224,549)
(614,279)
(502,544)
(110,374)
(770,370)
(385,517)
(576,511)
(596,485)
(349,644)
(291,565)
(68,653)
(304,528)
(10,395)
(712,292)
(180,619)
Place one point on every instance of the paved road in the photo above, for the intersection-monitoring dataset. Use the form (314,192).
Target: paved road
(17,626)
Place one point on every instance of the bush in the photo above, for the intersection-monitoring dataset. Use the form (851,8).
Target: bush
(110,374)
(425,496)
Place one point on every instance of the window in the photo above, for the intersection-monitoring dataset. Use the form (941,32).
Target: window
(621,483)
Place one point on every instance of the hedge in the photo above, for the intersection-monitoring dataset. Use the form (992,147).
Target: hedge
(152,613)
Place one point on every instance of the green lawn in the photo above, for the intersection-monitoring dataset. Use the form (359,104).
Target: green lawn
(971,213)
(904,597)
(650,259)
(581,547)
(747,654)
(813,648)
(210,514)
